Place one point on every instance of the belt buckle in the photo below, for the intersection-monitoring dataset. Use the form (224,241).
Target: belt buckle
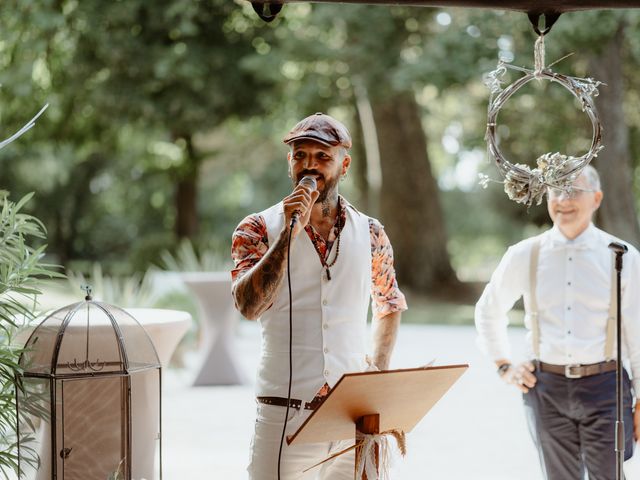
(567,371)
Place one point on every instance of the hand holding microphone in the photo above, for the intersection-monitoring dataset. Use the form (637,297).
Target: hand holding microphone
(297,206)
(308,181)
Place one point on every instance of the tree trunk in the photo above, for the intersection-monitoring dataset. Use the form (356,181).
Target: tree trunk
(187,194)
(74,202)
(617,215)
(409,206)
(186,214)
(358,170)
(367,127)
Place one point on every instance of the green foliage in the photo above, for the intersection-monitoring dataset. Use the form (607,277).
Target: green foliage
(166,58)
(129,84)
(429,311)
(145,94)
(21,267)
(133,290)
(186,259)
(118,473)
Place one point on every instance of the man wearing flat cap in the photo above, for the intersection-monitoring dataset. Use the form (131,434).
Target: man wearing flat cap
(340,260)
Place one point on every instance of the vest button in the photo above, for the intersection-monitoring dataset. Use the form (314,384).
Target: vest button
(325,326)
(324,302)
(326,373)
(326,350)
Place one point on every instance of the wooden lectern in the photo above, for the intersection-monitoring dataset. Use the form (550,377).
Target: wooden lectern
(374,402)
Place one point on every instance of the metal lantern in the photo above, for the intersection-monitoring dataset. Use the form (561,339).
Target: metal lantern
(89,407)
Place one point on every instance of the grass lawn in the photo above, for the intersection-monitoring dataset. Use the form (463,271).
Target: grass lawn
(430,311)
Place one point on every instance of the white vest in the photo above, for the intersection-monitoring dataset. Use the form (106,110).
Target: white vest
(329,316)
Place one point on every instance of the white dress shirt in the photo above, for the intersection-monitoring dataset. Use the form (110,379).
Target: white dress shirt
(573,293)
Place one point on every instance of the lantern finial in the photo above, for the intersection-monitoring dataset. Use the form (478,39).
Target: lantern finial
(87,289)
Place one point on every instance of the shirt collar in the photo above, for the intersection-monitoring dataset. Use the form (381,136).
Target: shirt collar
(585,240)
(344,205)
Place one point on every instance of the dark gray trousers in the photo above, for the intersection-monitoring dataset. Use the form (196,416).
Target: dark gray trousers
(572,422)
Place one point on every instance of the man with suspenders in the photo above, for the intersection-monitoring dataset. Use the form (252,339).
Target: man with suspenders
(341,260)
(566,277)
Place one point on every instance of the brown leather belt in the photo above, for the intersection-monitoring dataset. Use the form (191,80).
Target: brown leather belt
(576,370)
(293,403)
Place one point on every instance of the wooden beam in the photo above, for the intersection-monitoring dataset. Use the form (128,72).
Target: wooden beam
(529,6)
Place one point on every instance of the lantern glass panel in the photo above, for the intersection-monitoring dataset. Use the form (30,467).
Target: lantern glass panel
(89,344)
(88,337)
(140,350)
(93,422)
(41,344)
(145,424)
(34,417)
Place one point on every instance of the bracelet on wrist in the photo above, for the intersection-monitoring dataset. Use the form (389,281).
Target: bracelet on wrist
(502,369)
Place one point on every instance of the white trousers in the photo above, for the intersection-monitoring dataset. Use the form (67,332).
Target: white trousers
(295,458)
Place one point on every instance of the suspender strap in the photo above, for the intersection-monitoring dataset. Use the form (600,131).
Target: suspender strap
(613,310)
(533,302)
(533,305)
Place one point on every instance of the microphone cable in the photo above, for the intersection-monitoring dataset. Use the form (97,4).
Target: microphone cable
(286,415)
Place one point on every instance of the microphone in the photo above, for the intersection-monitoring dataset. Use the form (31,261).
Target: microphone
(620,248)
(310,182)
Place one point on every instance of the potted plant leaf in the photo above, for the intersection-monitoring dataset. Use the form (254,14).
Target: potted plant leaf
(21,271)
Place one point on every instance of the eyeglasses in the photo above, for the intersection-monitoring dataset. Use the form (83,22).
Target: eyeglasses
(569,192)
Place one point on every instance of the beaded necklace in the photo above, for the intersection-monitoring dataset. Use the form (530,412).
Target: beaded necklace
(326,265)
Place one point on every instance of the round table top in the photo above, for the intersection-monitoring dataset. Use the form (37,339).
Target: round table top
(147,317)
(158,316)
(144,316)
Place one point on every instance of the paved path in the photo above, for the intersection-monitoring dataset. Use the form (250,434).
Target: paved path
(477,431)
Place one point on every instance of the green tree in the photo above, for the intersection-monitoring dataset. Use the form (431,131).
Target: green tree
(612,59)
(332,56)
(173,65)
(131,87)
(71,157)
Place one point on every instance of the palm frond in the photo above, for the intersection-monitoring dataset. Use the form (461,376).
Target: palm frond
(21,271)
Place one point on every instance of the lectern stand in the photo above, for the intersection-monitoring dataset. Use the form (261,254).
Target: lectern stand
(374,402)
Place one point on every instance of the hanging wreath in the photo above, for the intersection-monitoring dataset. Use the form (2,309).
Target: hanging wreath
(521,183)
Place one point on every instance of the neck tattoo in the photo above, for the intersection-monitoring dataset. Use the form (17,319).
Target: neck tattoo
(326,209)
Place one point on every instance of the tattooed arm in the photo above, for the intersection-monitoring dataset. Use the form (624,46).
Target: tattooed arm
(254,291)
(385,331)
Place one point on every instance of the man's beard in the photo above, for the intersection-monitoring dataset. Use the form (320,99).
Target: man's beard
(329,187)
